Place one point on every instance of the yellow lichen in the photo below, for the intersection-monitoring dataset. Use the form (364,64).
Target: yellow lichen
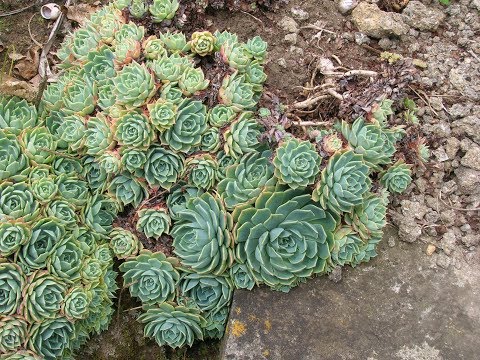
(238,328)
(268,326)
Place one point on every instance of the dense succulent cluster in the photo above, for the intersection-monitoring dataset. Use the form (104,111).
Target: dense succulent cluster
(127,125)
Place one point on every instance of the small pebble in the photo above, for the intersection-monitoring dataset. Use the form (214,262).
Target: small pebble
(430,249)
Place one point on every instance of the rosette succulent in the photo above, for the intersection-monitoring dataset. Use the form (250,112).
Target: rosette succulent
(133,130)
(207,292)
(84,40)
(192,81)
(201,171)
(17,202)
(16,115)
(283,238)
(202,43)
(100,64)
(176,43)
(128,189)
(215,327)
(343,182)
(162,114)
(133,161)
(72,132)
(79,96)
(257,47)
(236,56)
(245,180)
(110,162)
(202,235)
(178,198)
(124,243)
(242,277)
(67,165)
(138,8)
(163,10)
(62,211)
(242,136)
(189,126)
(211,140)
(98,136)
(221,115)
(163,167)
(66,260)
(127,51)
(91,272)
(297,163)
(12,236)
(368,218)
(99,214)
(73,190)
(12,282)
(42,297)
(13,333)
(397,177)
(153,222)
(12,161)
(44,189)
(51,337)
(170,69)
(153,48)
(38,144)
(134,85)
(346,246)
(237,92)
(175,326)
(76,303)
(129,31)
(151,277)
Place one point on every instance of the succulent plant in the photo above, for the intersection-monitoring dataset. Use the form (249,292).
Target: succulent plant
(84,40)
(106,96)
(133,130)
(163,10)
(367,252)
(99,214)
(242,277)
(124,243)
(221,115)
(16,115)
(189,126)
(370,141)
(192,81)
(13,333)
(172,93)
(236,56)
(12,236)
(42,297)
(397,177)
(381,111)
(100,64)
(134,85)
(153,48)
(255,75)
(242,136)
(79,95)
(178,198)
(66,260)
(107,21)
(51,337)
(38,144)
(224,161)
(283,238)
(237,92)
(207,292)
(17,202)
(257,48)
(44,189)
(202,43)
(98,136)
(201,170)
(129,31)
(128,189)
(331,143)
(151,277)
(210,140)
(95,174)
(422,150)
(176,43)
(72,132)
(154,222)
(170,69)
(368,218)
(91,272)
(62,211)
(110,162)
(175,326)
(76,303)
(346,246)
(224,38)
(343,182)
(202,235)
(133,161)
(13,162)
(245,180)
(163,167)
(162,114)
(138,8)
(297,163)
(127,51)
(216,322)
(12,282)
(67,165)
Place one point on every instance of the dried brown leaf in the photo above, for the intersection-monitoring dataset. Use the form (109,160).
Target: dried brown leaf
(27,67)
(80,13)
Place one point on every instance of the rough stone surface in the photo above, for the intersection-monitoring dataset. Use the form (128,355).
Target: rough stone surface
(377,23)
(472,158)
(421,17)
(299,14)
(468,180)
(288,24)
(395,307)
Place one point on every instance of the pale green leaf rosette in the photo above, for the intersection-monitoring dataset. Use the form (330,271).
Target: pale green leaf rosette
(12,236)
(175,326)
(297,163)
(245,180)
(51,338)
(67,165)
(42,297)
(221,115)
(76,303)
(162,114)
(202,236)
(100,65)
(211,140)
(170,69)
(257,47)
(216,322)
(79,96)
(207,292)
(84,40)
(16,115)
(91,272)
(62,211)
(201,171)
(13,162)
(66,260)
(284,238)
(38,144)
(161,10)
(133,130)
(110,162)
(236,56)
(153,48)
(178,198)
(13,333)
(18,202)
(99,214)
(347,244)
(369,218)
(134,85)
(128,189)
(129,31)
(202,43)
(163,167)
(138,8)
(133,161)
(154,222)
(151,277)
(192,81)
(46,234)
(104,255)
(124,243)
(242,136)
(44,189)
(397,177)
(343,183)
(98,136)
(12,282)
(237,92)
(73,190)
(21,355)
(95,174)
(242,277)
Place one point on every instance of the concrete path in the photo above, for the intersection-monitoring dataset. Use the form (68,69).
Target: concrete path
(396,307)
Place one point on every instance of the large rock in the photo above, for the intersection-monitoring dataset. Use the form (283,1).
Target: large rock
(376,23)
(468,180)
(422,17)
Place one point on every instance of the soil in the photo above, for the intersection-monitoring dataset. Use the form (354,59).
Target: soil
(441,207)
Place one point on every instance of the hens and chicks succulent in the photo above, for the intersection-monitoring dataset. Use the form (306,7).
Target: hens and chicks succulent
(125,125)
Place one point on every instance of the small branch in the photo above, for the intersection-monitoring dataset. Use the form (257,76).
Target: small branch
(13,12)
(310,123)
(30,31)
(309,102)
(335,94)
(314,27)
(360,73)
